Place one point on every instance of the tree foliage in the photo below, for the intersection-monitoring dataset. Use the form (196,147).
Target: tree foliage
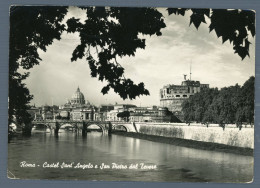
(234,104)
(232,25)
(112,33)
(125,115)
(31,28)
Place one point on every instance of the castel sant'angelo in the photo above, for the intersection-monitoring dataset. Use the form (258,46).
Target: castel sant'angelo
(172,96)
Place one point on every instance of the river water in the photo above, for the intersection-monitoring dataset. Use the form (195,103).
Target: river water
(46,156)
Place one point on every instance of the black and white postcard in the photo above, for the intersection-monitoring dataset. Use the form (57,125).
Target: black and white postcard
(131,94)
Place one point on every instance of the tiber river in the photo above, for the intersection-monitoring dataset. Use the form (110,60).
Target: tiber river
(117,158)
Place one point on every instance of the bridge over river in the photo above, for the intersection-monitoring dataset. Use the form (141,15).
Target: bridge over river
(105,126)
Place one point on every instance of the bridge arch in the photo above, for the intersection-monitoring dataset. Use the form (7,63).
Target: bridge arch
(40,126)
(100,125)
(68,126)
(64,125)
(120,127)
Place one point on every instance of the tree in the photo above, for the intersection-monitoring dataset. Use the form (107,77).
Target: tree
(248,99)
(208,97)
(188,110)
(125,115)
(31,28)
(106,35)
(232,104)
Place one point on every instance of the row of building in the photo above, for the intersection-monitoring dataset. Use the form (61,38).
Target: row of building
(171,99)
(77,109)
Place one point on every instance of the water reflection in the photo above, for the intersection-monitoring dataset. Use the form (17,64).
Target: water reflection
(173,163)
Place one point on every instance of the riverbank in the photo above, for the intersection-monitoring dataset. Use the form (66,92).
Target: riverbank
(190,143)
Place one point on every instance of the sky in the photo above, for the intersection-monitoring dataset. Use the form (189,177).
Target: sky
(164,61)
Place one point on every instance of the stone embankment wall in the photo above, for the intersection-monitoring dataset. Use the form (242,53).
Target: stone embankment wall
(231,135)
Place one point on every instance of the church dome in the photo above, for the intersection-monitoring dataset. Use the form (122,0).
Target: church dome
(77,98)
